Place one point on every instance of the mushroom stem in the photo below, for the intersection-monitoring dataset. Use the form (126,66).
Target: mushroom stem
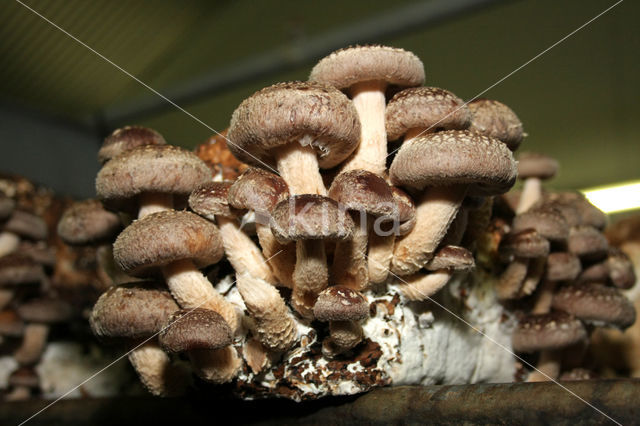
(422,286)
(370,103)
(435,212)
(156,372)
(509,285)
(544,297)
(9,243)
(297,164)
(242,252)
(5,298)
(281,257)
(153,202)
(531,193)
(534,274)
(192,290)
(344,335)
(33,343)
(275,327)
(349,260)
(216,366)
(548,364)
(310,275)
(379,257)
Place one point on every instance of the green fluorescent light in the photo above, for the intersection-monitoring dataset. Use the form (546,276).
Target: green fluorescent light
(615,198)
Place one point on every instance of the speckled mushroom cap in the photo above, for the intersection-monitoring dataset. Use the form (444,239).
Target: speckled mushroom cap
(621,271)
(258,190)
(547,221)
(493,118)
(554,330)
(425,108)
(595,303)
(310,217)
(133,310)
(17,269)
(339,303)
(455,157)
(6,206)
(87,222)
(357,64)
(45,310)
(26,225)
(589,214)
(150,168)
(364,191)
(527,244)
(192,329)
(406,211)
(536,165)
(284,113)
(452,257)
(587,242)
(212,199)
(164,237)
(127,138)
(562,266)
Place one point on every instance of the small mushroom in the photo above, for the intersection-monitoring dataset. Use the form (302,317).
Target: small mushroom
(560,267)
(520,250)
(534,168)
(343,308)
(493,118)
(127,138)
(365,73)
(621,272)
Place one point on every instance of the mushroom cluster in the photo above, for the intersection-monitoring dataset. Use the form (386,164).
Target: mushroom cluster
(319,262)
(560,275)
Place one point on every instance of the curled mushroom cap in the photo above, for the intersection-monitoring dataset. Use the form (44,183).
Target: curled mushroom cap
(87,222)
(356,64)
(339,303)
(596,303)
(127,138)
(134,310)
(17,269)
(562,266)
(364,191)
(493,118)
(547,221)
(284,113)
(455,157)
(429,108)
(165,237)
(528,244)
(211,199)
(194,329)
(258,190)
(554,330)
(45,310)
(150,168)
(536,165)
(310,217)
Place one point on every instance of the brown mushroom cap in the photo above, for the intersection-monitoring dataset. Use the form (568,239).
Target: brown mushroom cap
(495,119)
(194,329)
(339,303)
(364,191)
(258,190)
(536,165)
(284,113)
(455,157)
(554,330)
(425,108)
(589,214)
(621,271)
(87,222)
(134,310)
(527,244)
(596,273)
(26,225)
(7,205)
(310,217)
(45,310)
(406,211)
(547,221)
(164,237)
(587,243)
(11,324)
(150,168)
(346,67)
(211,199)
(595,303)
(452,257)
(127,138)
(17,269)
(562,266)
